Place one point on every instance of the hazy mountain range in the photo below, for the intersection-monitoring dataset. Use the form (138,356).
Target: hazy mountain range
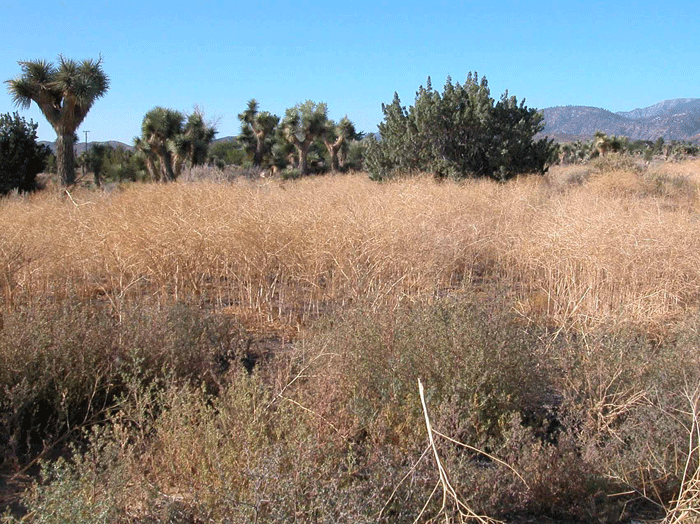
(677,119)
(80,146)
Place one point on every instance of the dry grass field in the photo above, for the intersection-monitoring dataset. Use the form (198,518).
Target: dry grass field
(622,246)
(553,320)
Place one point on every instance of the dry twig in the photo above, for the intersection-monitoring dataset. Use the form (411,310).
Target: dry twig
(466,514)
(686,508)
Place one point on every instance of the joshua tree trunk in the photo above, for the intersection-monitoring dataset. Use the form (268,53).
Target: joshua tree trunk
(303,150)
(151,167)
(65,158)
(303,159)
(335,165)
(168,167)
(259,146)
(166,164)
(333,149)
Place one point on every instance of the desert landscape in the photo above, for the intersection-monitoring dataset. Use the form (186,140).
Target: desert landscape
(249,350)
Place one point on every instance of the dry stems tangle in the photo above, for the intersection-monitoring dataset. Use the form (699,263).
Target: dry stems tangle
(450,497)
(686,508)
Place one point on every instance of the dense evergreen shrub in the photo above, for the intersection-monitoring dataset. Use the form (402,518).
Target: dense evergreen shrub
(459,133)
(21,157)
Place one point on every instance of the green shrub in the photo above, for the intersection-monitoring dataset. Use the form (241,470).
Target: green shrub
(485,376)
(21,157)
(354,158)
(470,356)
(92,487)
(673,187)
(459,133)
(623,399)
(227,153)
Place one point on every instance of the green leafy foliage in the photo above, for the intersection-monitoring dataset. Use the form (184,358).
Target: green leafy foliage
(65,364)
(477,363)
(159,130)
(459,133)
(167,422)
(21,157)
(353,158)
(94,160)
(193,143)
(123,164)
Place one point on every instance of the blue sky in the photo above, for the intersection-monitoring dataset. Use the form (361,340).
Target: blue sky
(352,55)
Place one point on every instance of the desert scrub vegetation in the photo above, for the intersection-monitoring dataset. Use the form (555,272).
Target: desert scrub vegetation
(238,350)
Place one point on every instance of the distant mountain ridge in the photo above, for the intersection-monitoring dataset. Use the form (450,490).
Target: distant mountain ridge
(677,119)
(80,146)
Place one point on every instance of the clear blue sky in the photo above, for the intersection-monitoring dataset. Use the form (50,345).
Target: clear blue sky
(352,55)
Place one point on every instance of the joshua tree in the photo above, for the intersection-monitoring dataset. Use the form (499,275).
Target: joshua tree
(168,142)
(335,137)
(302,124)
(605,144)
(95,158)
(150,157)
(192,145)
(256,130)
(159,130)
(64,93)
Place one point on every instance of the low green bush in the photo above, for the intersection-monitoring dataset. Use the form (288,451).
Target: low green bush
(22,158)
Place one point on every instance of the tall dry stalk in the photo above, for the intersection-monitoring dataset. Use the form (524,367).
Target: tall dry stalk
(686,507)
(449,494)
